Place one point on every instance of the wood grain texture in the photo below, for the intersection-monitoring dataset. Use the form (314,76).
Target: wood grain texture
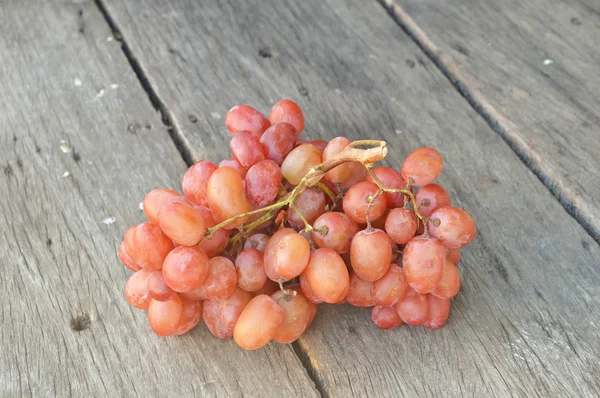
(60,271)
(531,69)
(526,321)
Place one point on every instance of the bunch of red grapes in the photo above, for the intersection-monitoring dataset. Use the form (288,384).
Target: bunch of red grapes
(255,243)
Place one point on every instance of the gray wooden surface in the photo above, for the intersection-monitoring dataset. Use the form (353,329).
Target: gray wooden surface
(532,69)
(525,322)
(66,329)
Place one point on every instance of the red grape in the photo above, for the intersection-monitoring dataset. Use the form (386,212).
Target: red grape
(359,293)
(278,141)
(269,288)
(311,204)
(151,246)
(230,308)
(422,166)
(449,285)
(431,197)
(246,118)
(328,275)
(340,173)
(126,258)
(401,225)
(257,241)
(453,255)
(226,196)
(221,280)
(298,314)
(391,179)
(413,308)
(258,323)
(213,321)
(371,254)
(164,316)
(288,111)
(136,289)
(438,312)
(299,161)
(269,253)
(423,261)
(319,144)
(308,291)
(262,183)
(191,312)
(251,274)
(290,255)
(158,288)
(391,287)
(195,180)
(186,268)
(234,164)
(454,227)
(385,317)
(334,230)
(154,201)
(216,244)
(246,149)
(181,222)
(356,202)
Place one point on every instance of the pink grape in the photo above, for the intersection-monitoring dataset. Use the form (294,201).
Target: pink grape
(311,204)
(328,275)
(231,307)
(298,314)
(262,183)
(185,268)
(195,180)
(258,323)
(356,202)
(299,161)
(438,312)
(154,201)
(385,317)
(422,166)
(251,274)
(164,316)
(413,308)
(431,197)
(246,149)
(391,179)
(391,287)
(401,225)
(278,141)
(289,112)
(151,246)
(371,254)
(226,197)
(246,118)
(191,313)
(454,227)
(334,230)
(213,321)
(359,293)
(423,261)
(136,289)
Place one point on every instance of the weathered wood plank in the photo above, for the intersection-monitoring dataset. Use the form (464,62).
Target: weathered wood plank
(531,69)
(525,322)
(60,272)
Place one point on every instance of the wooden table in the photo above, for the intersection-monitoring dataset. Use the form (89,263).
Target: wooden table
(104,101)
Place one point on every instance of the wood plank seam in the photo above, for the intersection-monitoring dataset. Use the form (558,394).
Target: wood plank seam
(181,143)
(186,151)
(497,122)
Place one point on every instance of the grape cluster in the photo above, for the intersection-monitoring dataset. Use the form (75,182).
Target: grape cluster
(256,242)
